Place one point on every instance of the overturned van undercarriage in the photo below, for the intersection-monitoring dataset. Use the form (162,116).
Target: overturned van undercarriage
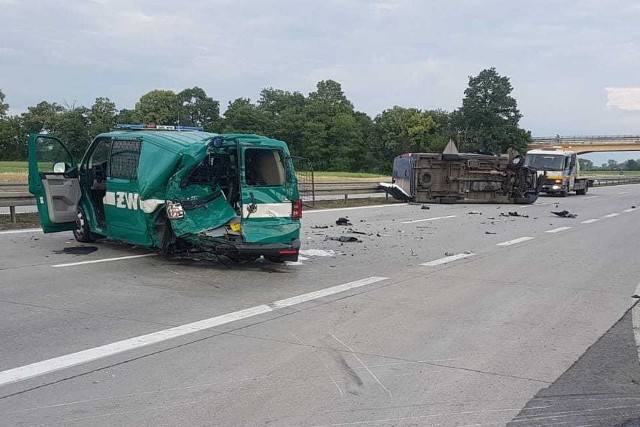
(453,177)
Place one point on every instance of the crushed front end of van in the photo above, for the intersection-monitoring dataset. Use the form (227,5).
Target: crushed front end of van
(237,196)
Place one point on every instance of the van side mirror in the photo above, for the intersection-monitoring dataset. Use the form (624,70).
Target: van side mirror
(59,167)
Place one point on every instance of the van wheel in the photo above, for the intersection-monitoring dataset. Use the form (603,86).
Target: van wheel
(82,232)
(516,163)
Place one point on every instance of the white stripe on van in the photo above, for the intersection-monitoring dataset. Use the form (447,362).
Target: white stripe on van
(267,210)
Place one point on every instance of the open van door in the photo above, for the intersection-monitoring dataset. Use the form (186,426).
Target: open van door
(53,180)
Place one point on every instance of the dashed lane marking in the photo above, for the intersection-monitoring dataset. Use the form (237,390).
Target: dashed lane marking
(429,219)
(448,259)
(26,230)
(47,366)
(391,205)
(95,261)
(559,229)
(629,210)
(611,215)
(589,197)
(590,221)
(514,241)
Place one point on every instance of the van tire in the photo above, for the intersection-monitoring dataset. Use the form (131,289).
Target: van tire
(82,232)
(516,163)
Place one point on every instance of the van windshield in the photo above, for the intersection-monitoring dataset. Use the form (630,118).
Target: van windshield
(264,167)
(545,162)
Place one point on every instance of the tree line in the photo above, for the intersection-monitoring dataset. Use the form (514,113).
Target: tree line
(322,126)
(611,165)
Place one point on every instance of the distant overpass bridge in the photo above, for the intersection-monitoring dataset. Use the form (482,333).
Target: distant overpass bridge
(590,143)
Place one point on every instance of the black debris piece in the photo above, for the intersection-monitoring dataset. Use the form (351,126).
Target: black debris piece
(345,239)
(343,221)
(448,254)
(320,226)
(565,214)
(358,232)
(633,207)
(474,213)
(425,207)
(489,232)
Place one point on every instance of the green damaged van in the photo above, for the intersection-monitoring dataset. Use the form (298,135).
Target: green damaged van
(177,189)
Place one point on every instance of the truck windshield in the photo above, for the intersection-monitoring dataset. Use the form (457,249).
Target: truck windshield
(545,162)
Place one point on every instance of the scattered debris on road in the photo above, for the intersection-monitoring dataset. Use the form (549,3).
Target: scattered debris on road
(514,213)
(343,221)
(489,232)
(474,213)
(425,207)
(565,214)
(345,239)
(319,226)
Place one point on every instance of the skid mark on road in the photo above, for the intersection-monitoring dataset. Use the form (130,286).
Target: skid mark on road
(51,365)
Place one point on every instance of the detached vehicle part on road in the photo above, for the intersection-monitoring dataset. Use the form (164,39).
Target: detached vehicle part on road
(559,171)
(174,188)
(453,177)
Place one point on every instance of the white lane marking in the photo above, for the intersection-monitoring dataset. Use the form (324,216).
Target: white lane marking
(611,215)
(623,192)
(355,207)
(26,230)
(589,221)
(589,197)
(288,302)
(47,366)
(429,219)
(514,241)
(71,264)
(629,210)
(635,319)
(559,229)
(447,259)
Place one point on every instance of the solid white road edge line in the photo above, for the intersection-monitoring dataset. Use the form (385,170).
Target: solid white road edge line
(635,319)
(26,230)
(514,241)
(47,366)
(355,207)
(611,215)
(629,210)
(559,229)
(430,219)
(447,259)
(71,264)
(589,221)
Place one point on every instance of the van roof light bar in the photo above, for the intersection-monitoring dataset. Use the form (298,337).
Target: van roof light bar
(152,126)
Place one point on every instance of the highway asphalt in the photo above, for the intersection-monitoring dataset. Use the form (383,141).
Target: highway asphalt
(449,316)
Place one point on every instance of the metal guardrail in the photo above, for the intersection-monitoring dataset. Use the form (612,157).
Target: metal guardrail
(12,194)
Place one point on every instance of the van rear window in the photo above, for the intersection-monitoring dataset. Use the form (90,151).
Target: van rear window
(263,167)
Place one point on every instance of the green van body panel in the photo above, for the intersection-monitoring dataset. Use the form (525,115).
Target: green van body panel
(167,161)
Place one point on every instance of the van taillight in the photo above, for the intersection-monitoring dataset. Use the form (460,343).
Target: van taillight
(296,209)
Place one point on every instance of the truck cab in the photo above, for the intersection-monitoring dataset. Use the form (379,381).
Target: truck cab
(560,170)
(176,189)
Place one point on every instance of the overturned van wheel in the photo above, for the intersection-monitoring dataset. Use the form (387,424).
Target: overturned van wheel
(516,163)
(82,232)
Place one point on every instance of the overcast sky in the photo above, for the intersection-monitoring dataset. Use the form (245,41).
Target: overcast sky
(574,65)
